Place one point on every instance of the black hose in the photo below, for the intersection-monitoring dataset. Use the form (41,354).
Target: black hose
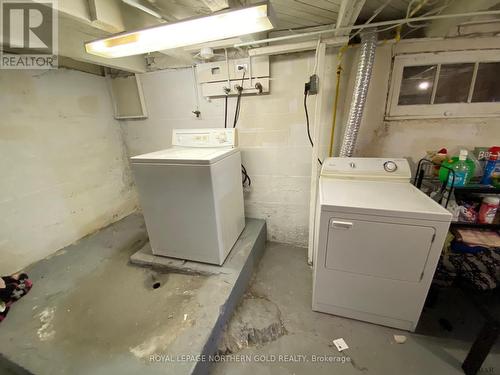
(238,101)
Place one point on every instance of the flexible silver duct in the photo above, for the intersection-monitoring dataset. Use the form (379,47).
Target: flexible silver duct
(363,75)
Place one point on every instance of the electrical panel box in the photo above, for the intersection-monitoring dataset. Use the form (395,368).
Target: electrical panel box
(222,78)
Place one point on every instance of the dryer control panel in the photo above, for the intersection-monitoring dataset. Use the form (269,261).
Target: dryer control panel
(394,169)
(215,137)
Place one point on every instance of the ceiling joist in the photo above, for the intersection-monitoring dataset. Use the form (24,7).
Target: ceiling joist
(348,14)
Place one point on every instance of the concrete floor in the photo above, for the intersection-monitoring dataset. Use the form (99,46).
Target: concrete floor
(284,278)
(91,312)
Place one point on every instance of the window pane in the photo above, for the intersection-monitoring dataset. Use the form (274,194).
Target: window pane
(416,85)
(454,83)
(487,87)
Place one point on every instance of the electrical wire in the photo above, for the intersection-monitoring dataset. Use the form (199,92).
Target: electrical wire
(436,11)
(340,55)
(335,106)
(246,177)
(410,12)
(307,120)
(372,17)
(316,56)
(237,110)
(307,123)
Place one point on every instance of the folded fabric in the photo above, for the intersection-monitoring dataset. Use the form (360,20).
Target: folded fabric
(462,247)
(16,287)
(478,237)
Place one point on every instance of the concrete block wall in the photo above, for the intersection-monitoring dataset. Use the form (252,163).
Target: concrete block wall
(272,137)
(64,166)
(412,138)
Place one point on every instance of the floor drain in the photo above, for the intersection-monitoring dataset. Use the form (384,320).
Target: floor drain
(155,281)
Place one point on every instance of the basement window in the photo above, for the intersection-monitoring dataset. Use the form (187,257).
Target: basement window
(445,84)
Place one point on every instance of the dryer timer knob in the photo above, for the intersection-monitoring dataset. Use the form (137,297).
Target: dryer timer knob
(390,166)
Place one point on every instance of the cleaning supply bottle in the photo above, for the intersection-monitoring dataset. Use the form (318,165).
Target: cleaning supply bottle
(488,209)
(495,176)
(490,165)
(461,170)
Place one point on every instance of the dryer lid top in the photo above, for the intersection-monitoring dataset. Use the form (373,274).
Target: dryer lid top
(392,169)
(383,198)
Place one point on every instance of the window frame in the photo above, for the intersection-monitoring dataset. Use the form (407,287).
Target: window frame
(394,111)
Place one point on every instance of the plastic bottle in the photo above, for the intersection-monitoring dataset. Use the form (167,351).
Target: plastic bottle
(490,165)
(461,169)
(488,209)
(495,176)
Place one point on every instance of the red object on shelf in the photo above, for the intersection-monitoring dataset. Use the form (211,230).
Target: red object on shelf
(494,151)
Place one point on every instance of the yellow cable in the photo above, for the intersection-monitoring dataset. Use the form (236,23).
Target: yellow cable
(336,101)
(397,38)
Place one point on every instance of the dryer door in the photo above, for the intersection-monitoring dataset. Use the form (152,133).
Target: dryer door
(378,248)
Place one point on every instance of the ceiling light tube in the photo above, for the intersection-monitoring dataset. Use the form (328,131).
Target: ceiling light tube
(227,24)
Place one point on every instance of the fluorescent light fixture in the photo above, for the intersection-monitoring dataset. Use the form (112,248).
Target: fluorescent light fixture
(424,85)
(228,24)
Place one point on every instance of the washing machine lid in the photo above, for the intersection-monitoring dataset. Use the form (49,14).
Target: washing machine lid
(395,199)
(185,155)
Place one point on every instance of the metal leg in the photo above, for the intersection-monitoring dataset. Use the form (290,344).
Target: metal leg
(481,347)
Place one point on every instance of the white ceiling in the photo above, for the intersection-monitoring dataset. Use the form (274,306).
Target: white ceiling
(289,13)
(303,13)
(78,26)
(293,14)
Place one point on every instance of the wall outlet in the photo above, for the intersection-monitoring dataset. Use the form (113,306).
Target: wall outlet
(241,67)
(313,84)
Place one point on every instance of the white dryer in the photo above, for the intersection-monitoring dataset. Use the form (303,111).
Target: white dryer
(378,242)
(192,196)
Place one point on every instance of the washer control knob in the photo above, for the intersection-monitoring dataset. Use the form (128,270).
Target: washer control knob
(352,164)
(390,166)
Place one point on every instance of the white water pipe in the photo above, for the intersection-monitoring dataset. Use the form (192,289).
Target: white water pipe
(370,25)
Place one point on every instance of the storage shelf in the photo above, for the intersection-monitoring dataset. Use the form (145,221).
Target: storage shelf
(475,225)
(478,189)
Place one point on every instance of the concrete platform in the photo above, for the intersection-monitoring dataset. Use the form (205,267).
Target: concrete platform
(145,257)
(92,312)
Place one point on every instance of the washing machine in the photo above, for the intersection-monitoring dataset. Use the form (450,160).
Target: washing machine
(192,196)
(378,242)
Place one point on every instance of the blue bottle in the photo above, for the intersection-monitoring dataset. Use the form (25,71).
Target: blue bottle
(488,170)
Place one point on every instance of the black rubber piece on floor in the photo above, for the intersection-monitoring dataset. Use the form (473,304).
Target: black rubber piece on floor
(445,324)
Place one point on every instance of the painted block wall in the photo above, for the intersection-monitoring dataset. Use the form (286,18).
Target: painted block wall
(272,132)
(411,138)
(64,166)
(272,137)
